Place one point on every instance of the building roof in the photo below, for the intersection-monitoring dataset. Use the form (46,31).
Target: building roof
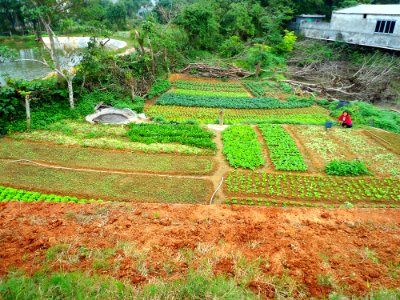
(371,9)
(311,16)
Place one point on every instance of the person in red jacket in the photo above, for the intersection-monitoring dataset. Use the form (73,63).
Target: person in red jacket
(345,120)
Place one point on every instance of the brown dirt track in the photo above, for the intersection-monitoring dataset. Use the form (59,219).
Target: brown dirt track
(302,243)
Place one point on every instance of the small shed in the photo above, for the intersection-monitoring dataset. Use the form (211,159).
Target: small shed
(306,18)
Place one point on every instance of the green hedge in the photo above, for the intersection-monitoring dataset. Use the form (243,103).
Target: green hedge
(159,87)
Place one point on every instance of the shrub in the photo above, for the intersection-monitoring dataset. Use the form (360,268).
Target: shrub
(158,88)
(346,168)
(88,102)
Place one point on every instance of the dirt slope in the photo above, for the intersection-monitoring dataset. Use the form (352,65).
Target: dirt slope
(346,250)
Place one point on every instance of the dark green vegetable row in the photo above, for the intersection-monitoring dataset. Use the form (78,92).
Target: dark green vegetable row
(227,102)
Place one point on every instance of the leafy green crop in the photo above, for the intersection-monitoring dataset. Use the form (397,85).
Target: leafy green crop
(9,194)
(242,94)
(226,102)
(192,135)
(346,168)
(306,115)
(306,187)
(283,151)
(241,147)
(206,86)
(256,88)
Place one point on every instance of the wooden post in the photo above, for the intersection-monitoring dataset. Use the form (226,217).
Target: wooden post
(28,112)
(221,116)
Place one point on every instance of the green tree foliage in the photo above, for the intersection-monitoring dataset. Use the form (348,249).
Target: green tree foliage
(200,21)
(116,16)
(238,21)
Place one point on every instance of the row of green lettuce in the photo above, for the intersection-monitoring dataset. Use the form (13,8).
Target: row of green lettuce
(12,194)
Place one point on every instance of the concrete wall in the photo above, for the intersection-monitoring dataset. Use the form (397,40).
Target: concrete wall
(354,29)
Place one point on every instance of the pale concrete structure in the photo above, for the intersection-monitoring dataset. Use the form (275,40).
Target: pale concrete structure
(367,25)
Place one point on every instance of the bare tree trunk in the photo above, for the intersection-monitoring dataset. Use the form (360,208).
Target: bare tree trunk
(258,69)
(28,112)
(70,93)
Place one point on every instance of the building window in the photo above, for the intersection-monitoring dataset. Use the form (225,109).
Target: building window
(385,26)
(365,16)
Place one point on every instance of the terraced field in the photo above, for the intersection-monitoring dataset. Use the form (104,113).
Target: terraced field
(135,203)
(186,163)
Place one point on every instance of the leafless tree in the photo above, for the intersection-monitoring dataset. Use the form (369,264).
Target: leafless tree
(369,80)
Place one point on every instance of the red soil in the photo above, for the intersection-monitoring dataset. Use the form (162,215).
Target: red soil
(303,243)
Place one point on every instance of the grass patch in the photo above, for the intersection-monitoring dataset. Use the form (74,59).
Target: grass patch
(144,188)
(102,159)
(19,42)
(63,286)
(77,285)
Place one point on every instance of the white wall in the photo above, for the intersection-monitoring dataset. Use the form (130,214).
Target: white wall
(354,29)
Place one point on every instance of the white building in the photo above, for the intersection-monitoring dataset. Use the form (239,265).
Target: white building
(368,25)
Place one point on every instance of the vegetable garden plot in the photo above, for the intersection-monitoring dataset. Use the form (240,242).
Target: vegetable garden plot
(256,88)
(80,157)
(283,151)
(191,135)
(241,147)
(73,133)
(386,139)
(313,188)
(204,86)
(106,185)
(11,194)
(227,102)
(242,94)
(340,144)
(309,115)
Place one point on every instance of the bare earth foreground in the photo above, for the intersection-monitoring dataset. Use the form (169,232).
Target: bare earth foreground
(310,252)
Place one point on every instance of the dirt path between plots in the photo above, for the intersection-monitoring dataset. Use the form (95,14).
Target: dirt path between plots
(221,169)
(269,166)
(247,90)
(355,250)
(105,171)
